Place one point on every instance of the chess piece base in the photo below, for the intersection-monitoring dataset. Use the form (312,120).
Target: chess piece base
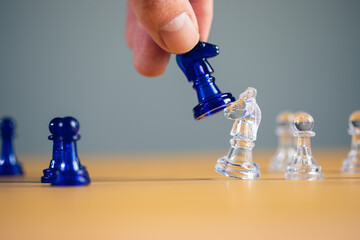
(351,166)
(241,171)
(281,160)
(72,178)
(278,162)
(304,172)
(49,175)
(213,105)
(11,170)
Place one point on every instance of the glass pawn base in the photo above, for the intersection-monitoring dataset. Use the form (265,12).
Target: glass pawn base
(247,170)
(351,166)
(304,172)
(281,160)
(278,163)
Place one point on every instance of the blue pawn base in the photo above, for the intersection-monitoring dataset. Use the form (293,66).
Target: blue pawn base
(212,106)
(49,175)
(72,178)
(11,170)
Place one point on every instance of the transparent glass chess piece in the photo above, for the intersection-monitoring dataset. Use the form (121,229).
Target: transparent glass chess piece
(352,163)
(286,147)
(304,165)
(247,115)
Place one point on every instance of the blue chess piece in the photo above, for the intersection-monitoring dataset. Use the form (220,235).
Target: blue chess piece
(58,149)
(197,70)
(8,161)
(70,172)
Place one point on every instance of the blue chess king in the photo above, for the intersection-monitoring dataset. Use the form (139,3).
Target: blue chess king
(196,68)
(9,165)
(65,168)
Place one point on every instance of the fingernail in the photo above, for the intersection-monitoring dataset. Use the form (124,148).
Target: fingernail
(180,34)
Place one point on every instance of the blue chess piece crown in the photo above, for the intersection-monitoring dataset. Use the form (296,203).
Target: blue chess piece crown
(8,161)
(197,70)
(65,168)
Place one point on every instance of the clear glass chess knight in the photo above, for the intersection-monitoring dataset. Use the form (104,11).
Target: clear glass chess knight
(286,147)
(247,115)
(352,163)
(304,165)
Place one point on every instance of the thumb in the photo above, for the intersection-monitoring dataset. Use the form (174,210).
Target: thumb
(171,24)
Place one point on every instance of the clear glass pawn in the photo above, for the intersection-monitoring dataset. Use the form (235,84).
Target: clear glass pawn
(286,147)
(304,165)
(247,115)
(352,163)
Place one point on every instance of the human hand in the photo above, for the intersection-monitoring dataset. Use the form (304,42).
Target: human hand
(156,28)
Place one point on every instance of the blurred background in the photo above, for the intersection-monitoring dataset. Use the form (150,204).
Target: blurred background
(60,58)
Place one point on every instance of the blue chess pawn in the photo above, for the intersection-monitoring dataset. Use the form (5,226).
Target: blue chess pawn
(58,150)
(197,70)
(70,172)
(8,162)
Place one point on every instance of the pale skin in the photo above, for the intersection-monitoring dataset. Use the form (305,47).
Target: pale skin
(157,28)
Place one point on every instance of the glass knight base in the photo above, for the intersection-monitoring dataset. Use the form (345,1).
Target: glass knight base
(304,172)
(248,170)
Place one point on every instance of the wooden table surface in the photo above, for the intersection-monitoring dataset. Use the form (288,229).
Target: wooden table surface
(180,196)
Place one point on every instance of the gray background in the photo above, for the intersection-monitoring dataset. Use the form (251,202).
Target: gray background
(68,57)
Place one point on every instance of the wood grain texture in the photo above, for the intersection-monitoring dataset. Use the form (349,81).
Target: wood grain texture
(179,196)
